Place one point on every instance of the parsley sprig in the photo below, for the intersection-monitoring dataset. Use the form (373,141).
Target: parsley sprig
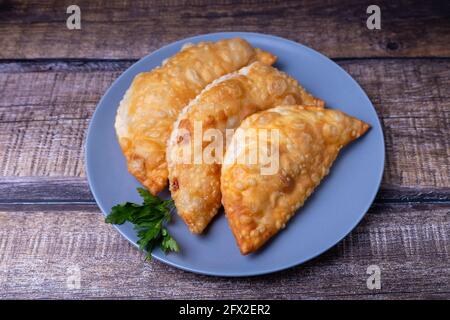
(149,220)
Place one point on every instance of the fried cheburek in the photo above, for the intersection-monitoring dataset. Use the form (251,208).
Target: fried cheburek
(151,105)
(258,206)
(195,186)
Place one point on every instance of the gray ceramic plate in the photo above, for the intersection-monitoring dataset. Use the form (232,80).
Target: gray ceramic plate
(335,208)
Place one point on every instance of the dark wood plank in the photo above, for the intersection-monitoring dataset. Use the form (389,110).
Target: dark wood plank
(120,29)
(49,189)
(39,243)
(48,222)
(46,108)
(45,189)
(412,99)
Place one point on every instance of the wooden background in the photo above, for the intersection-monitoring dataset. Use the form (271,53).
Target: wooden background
(51,79)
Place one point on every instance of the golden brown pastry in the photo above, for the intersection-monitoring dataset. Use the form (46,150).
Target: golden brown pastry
(195,186)
(151,105)
(257,206)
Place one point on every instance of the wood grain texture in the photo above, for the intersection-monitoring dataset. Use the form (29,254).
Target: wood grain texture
(39,243)
(123,29)
(51,80)
(46,108)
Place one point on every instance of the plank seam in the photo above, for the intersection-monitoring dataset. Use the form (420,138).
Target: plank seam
(132,60)
(92,202)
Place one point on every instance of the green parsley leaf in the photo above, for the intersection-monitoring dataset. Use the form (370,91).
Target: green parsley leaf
(168,243)
(149,220)
(149,199)
(122,212)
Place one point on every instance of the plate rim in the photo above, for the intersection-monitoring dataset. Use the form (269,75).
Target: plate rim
(224,35)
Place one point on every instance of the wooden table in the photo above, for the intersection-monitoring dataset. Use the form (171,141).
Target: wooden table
(51,79)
